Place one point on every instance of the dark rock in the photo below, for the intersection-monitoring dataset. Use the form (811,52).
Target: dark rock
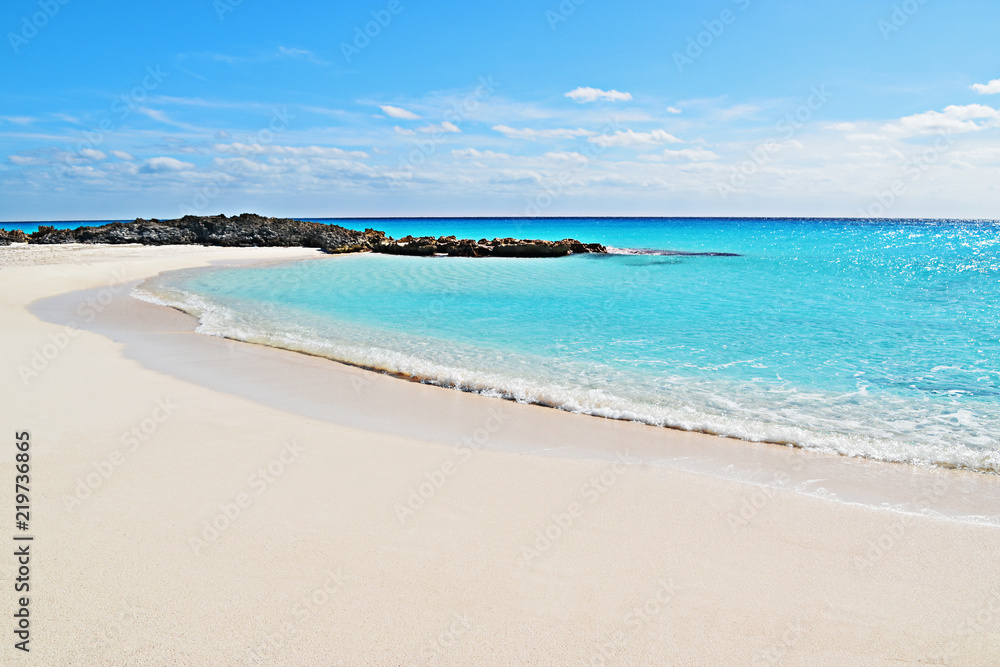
(13,236)
(240,231)
(505,247)
(248,229)
(530,248)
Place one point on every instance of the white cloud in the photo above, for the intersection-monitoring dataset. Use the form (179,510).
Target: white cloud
(688,154)
(991,88)
(82,172)
(121,155)
(583,95)
(484,155)
(18,120)
(155,114)
(953,119)
(528,133)
(92,154)
(403,131)
(306,151)
(162,164)
(632,138)
(443,127)
(738,111)
(25,160)
(238,165)
(693,154)
(572,156)
(843,127)
(300,54)
(398,112)
(673,110)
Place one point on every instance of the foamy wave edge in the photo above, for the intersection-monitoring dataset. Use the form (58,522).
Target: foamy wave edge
(214,320)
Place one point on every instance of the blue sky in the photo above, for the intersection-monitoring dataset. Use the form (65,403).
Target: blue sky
(726,107)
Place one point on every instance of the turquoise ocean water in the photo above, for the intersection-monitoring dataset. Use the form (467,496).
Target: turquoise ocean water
(869,338)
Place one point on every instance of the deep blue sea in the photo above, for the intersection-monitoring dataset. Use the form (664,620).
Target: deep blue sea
(870,338)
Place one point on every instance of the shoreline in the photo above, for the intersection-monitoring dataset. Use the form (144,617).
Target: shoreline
(832,445)
(774,465)
(693,522)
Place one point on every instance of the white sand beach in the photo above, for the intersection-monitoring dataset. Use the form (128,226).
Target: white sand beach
(258,506)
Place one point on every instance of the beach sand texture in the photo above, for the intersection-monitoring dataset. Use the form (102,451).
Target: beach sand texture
(189,521)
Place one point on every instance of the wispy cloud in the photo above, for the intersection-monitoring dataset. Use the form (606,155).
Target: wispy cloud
(237,148)
(281,53)
(583,95)
(300,54)
(158,165)
(689,154)
(533,135)
(26,160)
(439,127)
(738,111)
(398,112)
(479,155)
(156,115)
(632,138)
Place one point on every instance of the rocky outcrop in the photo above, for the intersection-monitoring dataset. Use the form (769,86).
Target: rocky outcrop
(239,231)
(506,247)
(249,229)
(13,236)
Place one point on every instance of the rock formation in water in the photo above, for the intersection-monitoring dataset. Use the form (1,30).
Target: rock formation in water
(506,247)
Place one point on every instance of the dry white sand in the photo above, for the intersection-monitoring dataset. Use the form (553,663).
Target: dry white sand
(512,557)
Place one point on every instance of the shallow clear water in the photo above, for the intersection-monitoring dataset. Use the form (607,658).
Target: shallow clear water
(879,339)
